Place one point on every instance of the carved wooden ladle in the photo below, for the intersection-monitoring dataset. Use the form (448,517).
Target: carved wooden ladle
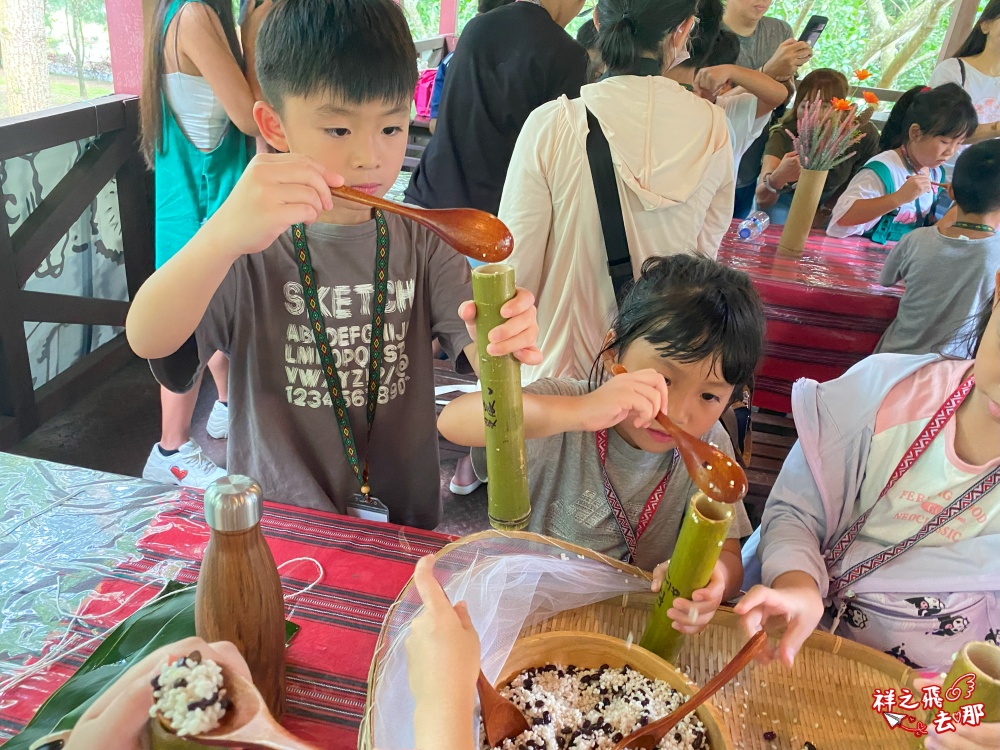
(712,471)
(647,737)
(475,234)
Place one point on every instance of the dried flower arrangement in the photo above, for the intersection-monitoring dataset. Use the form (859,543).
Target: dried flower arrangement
(826,132)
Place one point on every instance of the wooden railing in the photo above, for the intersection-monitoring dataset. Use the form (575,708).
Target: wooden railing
(113,123)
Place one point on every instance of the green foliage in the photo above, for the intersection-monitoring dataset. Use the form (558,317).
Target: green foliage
(853,25)
(423,15)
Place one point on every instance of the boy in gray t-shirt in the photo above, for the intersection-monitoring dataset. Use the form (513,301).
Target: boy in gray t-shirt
(949,272)
(315,422)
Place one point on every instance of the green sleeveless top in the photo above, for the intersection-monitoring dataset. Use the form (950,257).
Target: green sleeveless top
(190,184)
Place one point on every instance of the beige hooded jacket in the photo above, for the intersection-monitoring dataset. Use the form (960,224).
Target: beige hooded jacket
(674,164)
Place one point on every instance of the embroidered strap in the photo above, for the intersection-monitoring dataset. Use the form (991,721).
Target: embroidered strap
(375,349)
(969,498)
(631,535)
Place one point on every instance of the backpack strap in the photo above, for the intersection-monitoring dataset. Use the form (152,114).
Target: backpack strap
(609,206)
(880,169)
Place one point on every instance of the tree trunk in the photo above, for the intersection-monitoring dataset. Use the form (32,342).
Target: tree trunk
(26,68)
(913,45)
(799,26)
(80,53)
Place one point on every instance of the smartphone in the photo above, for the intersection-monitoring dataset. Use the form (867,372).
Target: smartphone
(813,29)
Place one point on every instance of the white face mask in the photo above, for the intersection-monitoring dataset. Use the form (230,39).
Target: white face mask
(679,57)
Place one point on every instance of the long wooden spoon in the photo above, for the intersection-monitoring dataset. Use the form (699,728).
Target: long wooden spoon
(712,471)
(650,735)
(502,719)
(247,723)
(475,234)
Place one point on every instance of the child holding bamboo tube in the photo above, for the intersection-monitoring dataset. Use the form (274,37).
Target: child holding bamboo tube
(884,522)
(689,332)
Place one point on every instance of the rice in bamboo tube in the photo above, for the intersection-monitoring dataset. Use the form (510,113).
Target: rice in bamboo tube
(699,544)
(503,411)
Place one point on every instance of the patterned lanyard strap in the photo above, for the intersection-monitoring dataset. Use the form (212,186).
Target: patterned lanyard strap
(381,284)
(631,535)
(974,227)
(962,503)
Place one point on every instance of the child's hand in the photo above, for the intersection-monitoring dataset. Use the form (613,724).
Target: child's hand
(788,169)
(914,186)
(442,649)
(638,396)
(709,82)
(983,737)
(691,616)
(119,716)
(517,335)
(795,600)
(274,192)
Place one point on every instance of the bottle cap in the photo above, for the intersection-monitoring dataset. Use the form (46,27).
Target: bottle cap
(234,503)
(744,233)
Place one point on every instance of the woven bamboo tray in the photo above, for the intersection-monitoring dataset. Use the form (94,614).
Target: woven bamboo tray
(824,699)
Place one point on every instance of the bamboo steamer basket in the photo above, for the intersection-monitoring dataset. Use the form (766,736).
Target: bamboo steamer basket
(825,698)
(592,650)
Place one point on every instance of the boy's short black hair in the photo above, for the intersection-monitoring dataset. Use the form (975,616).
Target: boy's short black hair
(976,182)
(357,51)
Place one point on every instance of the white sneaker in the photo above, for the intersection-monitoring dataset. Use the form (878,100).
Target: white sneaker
(218,421)
(189,467)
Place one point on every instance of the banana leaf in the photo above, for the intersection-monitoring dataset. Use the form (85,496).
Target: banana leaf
(167,618)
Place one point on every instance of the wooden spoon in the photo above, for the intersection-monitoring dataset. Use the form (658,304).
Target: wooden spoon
(502,719)
(713,472)
(247,723)
(650,735)
(475,234)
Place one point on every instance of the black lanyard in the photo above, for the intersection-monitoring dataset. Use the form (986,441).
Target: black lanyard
(381,284)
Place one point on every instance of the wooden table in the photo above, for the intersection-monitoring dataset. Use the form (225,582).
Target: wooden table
(825,310)
(95,542)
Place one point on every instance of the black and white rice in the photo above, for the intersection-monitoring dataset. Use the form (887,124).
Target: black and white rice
(189,694)
(592,709)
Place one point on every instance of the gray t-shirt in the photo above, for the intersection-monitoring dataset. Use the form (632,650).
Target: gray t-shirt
(567,489)
(947,282)
(757,49)
(283,431)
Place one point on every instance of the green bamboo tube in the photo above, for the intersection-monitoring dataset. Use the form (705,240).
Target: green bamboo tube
(503,411)
(982,660)
(158,738)
(699,544)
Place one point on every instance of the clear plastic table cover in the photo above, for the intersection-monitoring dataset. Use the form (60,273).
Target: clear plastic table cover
(62,529)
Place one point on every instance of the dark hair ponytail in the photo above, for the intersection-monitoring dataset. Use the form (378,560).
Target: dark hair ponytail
(975,42)
(631,29)
(946,111)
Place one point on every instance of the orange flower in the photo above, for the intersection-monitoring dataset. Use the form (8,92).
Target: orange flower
(862,74)
(841,105)
(871,98)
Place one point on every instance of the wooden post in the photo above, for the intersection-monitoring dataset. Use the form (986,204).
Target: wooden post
(963,18)
(448,17)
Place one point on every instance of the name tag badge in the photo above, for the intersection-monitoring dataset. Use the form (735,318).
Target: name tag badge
(367,509)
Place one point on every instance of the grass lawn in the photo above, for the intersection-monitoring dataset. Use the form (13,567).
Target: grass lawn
(62,90)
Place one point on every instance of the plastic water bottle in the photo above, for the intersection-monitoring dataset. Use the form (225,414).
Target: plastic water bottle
(753,226)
